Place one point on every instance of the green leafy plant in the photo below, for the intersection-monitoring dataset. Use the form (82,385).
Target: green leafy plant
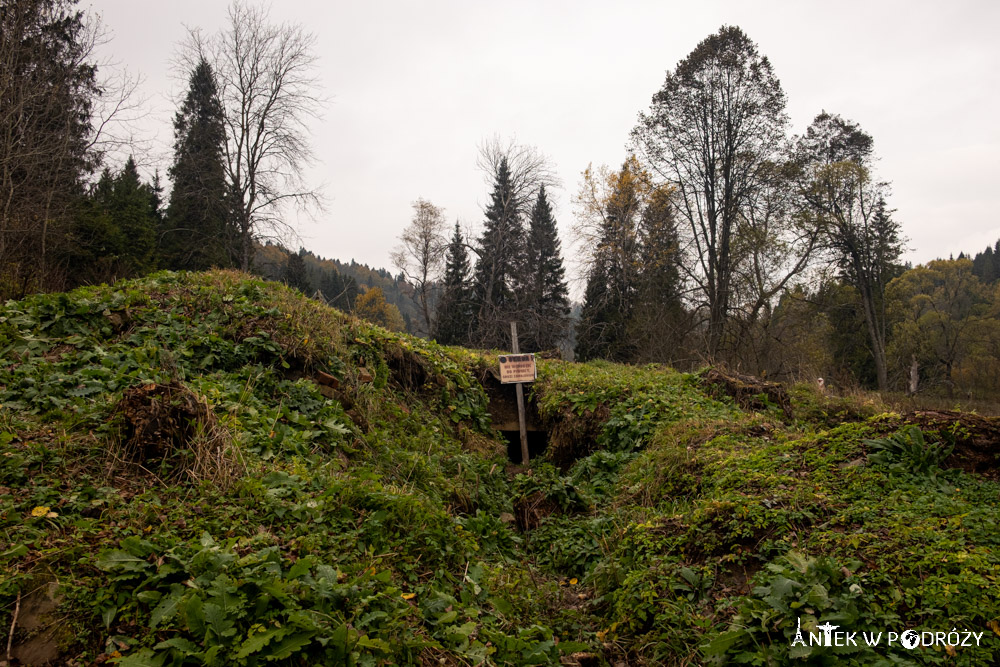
(796,587)
(909,452)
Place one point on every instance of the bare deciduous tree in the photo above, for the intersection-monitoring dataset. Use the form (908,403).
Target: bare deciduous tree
(711,132)
(420,257)
(529,170)
(268,88)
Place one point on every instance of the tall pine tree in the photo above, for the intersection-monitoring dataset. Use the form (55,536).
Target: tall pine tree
(984,265)
(545,297)
(196,234)
(339,291)
(48,88)
(498,271)
(295,274)
(453,320)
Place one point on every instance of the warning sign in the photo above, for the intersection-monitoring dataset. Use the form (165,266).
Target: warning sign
(517,368)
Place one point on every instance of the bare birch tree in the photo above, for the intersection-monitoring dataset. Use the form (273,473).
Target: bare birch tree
(420,257)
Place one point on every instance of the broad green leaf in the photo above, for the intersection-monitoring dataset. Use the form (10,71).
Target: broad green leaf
(120,560)
(217,620)
(301,567)
(194,614)
(502,606)
(259,641)
(180,644)
(108,615)
(149,596)
(722,642)
(800,651)
(164,611)
(364,641)
(573,647)
(142,658)
(288,646)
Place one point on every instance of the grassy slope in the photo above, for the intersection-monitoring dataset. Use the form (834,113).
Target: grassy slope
(378,528)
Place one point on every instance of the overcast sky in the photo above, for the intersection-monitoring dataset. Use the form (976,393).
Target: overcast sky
(414,87)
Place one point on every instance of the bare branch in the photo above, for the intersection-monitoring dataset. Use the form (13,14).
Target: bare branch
(268,87)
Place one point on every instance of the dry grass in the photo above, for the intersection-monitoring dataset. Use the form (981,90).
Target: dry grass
(171,433)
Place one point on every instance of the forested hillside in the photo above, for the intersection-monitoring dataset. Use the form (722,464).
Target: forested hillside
(339,282)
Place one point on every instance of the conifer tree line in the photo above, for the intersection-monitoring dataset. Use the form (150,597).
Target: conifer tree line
(513,271)
(721,238)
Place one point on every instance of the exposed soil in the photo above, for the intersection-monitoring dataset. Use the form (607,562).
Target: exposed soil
(750,393)
(37,632)
(406,368)
(977,438)
(573,436)
(171,432)
(530,510)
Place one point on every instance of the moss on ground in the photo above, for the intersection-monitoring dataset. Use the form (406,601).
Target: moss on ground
(370,515)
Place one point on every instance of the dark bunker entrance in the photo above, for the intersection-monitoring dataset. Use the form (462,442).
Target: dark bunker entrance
(503,410)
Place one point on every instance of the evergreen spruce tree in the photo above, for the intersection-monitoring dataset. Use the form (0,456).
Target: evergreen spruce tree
(610,296)
(659,320)
(599,326)
(196,235)
(984,266)
(114,233)
(133,210)
(48,91)
(454,316)
(339,291)
(545,300)
(295,273)
(330,285)
(95,242)
(990,267)
(498,271)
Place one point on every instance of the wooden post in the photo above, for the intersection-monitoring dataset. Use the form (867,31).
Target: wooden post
(520,399)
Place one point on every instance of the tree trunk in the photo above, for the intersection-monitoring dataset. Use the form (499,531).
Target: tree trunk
(875,331)
(246,245)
